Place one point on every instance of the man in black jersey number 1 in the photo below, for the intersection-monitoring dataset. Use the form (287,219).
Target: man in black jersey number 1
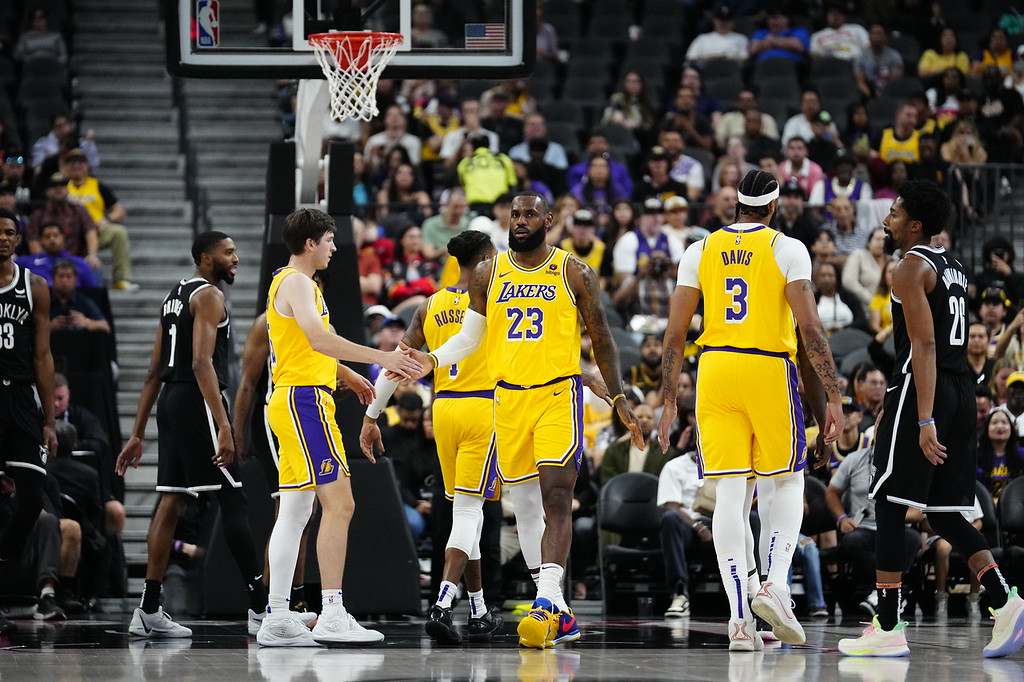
(925,454)
(196,447)
(27,434)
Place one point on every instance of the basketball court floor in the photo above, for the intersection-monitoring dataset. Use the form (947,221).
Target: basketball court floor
(689,649)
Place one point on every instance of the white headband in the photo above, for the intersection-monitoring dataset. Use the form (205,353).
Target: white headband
(762,200)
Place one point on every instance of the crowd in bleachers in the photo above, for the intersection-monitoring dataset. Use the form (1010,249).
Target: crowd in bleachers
(65,217)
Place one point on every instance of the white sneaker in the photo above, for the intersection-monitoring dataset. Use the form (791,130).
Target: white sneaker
(941,605)
(1008,632)
(256,619)
(973,607)
(877,642)
(679,608)
(774,605)
(743,636)
(343,629)
(286,630)
(157,625)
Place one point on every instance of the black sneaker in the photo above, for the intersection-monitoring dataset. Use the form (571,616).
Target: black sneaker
(440,627)
(71,605)
(47,609)
(7,627)
(481,629)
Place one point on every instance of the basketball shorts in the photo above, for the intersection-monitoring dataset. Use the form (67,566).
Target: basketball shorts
(265,446)
(464,434)
(537,426)
(902,473)
(21,428)
(310,449)
(749,416)
(188,443)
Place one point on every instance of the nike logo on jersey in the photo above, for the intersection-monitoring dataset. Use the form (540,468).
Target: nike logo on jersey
(559,392)
(504,273)
(891,388)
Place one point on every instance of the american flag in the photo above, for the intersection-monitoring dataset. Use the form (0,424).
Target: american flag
(485,36)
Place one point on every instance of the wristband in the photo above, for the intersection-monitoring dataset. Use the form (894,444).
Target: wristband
(615,399)
(926,422)
(839,521)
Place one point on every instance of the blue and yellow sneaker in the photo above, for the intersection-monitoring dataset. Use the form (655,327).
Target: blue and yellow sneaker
(539,627)
(567,629)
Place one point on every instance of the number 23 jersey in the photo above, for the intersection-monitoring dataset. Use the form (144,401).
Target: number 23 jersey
(743,270)
(533,324)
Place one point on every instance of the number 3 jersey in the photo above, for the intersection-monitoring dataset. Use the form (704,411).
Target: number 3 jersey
(176,322)
(445,313)
(742,270)
(17,328)
(533,324)
(948,304)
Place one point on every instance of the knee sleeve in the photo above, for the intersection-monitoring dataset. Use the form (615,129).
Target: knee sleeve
(890,536)
(467,519)
(729,523)
(958,531)
(529,509)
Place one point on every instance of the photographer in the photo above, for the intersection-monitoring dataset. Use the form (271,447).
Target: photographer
(997,271)
(647,293)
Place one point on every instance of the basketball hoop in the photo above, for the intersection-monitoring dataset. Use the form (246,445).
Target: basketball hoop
(353,61)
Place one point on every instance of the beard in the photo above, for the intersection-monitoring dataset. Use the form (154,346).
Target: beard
(651,361)
(527,243)
(224,273)
(889,246)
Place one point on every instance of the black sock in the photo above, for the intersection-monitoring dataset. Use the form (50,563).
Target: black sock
(889,597)
(257,594)
(151,596)
(298,594)
(995,585)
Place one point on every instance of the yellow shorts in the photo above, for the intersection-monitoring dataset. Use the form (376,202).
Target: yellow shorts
(749,416)
(464,434)
(310,451)
(537,426)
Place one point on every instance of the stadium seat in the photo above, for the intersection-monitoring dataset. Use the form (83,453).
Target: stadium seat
(908,48)
(565,134)
(591,47)
(720,68)
(567,111)
(774,67)
(586,91)
(587,67)
(882,111)
(830,67)
(902,87)
(778,87)
(610,27)
(724,89)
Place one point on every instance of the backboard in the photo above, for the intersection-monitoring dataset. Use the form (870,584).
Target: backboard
(442,38)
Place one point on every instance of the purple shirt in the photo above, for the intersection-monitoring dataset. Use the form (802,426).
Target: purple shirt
(42,265)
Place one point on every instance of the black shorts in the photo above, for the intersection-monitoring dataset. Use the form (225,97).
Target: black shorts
(902,473)
(21,428)
(188,442)
(264,446)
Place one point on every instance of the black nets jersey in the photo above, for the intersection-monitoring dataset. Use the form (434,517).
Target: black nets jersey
(176,323)
(948,303)
(17,329)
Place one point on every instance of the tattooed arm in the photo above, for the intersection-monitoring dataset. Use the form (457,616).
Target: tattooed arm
(587,290)
(800,296)
(680,312)
(815,392)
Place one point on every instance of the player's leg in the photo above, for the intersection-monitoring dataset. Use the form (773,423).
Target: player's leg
(234,510)
(730,528)
(150,620)
(529,510)
(22,426)
(462,550)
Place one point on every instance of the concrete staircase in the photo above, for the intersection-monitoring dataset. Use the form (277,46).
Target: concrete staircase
(127,98)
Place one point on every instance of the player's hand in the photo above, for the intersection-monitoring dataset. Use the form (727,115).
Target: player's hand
(406,363)
(636,436)
(358,384)
(129,457)
(668,415)
(820,451)
(933,450)
(595,382)
(835,421)
(225,448)
(369,436)
(50,442)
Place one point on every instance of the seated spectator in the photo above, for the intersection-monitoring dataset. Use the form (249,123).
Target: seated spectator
(800,125)
(564,209)
(80,232)
(371,273)
(733,123)
(843,184)
(406,444)
(39,42)
(403,194)
(520,102)
(598,189)
(412,276)
(851,438)
(535,129)
(70,309)
(850,233)
(51,241)
(681,528)
(997,270)
(864,267)
(900,142)
(731,168)
(106,211)
(582,241)
(981,365)
(824,145)
(450,221)
(694,127)
(779,40)
(643,298)
(13,176)
(793,220)
(1010,342)
(797,166)
(720,43)
(944,98)
(676,217)
(722,211)
(992,310)
(880,307)
(634,249)
(895,174)
(547,38)
(996,53)
(858,137)
(945,54)
(509,129)
(1000,457)
(647,375)
(395,133)
(839,39)
(437,121)
(1000,118)
(837,308)
(496,227)
(60,128)
(982,406)
(823,249)
(423,33)
(656,183)
(472,125)
(682,168)
(631,106)
(485,175)
(869,386)
(622,220)
(622,457)
(524,183)
(1015,399)
(964,146)
(878,64)
(598,145)
(758,144)
(707,104)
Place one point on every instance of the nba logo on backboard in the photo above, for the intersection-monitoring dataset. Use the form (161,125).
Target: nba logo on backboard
(207,23)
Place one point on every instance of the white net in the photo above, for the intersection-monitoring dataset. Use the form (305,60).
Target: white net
(353,63)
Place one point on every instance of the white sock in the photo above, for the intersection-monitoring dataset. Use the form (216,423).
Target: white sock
(549,586)
(47,591)
(446,595)
(283,551)
(477,605)
(729,529)
(331,601)
(786,515)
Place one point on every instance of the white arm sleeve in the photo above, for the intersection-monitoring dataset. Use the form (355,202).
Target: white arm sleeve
(461,345)
(689,266)
(384,388)
(792,258)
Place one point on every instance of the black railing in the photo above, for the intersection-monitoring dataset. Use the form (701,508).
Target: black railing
(194,192)
(989,199)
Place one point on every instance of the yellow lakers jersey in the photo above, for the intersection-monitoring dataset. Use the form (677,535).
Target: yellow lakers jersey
(88,195)
(890,149)
(744,290)
(533,325)
(445,311)
(593,259)
(293,362)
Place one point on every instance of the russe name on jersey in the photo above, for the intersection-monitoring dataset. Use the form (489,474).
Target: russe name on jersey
(510,291)
(737,257)
(449,317)
(173,307)
(14,312)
